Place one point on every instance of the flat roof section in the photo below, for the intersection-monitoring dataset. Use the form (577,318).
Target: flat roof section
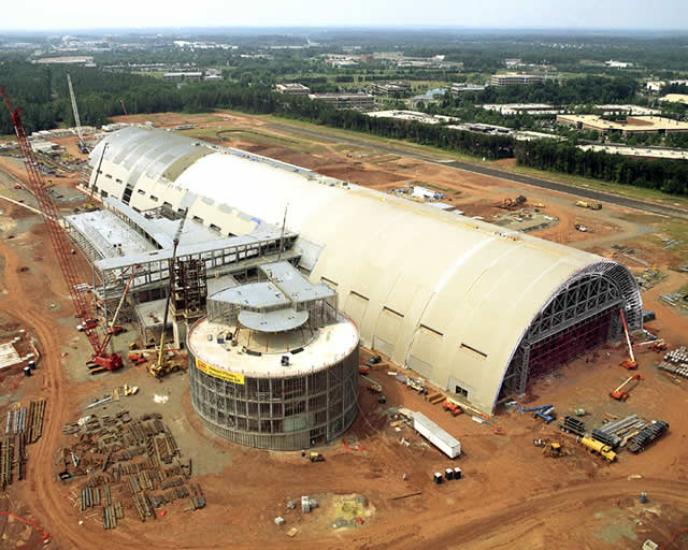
(293,284)
(109,235)
(161,229)
(329,345)
(632,123)
(252,295)
(279,320)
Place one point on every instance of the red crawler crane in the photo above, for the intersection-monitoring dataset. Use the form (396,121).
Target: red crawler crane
(63,250)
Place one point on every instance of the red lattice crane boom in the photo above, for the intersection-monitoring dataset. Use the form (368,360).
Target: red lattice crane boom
(61,245)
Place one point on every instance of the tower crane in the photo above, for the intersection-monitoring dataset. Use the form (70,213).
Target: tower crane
(77,119)
(101,358)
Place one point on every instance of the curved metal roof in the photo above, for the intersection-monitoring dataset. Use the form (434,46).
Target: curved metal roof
(448,295)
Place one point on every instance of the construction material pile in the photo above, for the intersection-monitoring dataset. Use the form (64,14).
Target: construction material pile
(573,425)
(127,463)
(676,362)
(23,426)
(650,433)
(617,433)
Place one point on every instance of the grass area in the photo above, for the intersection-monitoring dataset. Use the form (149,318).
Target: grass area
(259,138)
(677,230)
(638,193)
(360,136)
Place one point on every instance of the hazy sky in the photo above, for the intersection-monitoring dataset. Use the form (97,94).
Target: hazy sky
(578,14)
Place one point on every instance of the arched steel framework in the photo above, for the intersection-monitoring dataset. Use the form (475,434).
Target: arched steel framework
(581,315)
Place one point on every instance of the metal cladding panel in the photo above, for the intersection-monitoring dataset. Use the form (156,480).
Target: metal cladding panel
(472,282)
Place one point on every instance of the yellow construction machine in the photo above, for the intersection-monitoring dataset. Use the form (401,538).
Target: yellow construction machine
(164,364)
(590,205)
(597,447)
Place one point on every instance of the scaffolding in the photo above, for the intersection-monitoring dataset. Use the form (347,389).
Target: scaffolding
(297,386)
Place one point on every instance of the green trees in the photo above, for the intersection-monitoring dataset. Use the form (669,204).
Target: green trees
(670,176)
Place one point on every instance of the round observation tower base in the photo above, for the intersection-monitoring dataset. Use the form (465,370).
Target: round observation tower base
(297,392)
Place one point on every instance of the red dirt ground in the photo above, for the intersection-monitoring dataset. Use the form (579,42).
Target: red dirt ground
(511,495)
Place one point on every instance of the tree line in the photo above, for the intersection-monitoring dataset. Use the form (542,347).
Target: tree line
(42,93)
(669,176)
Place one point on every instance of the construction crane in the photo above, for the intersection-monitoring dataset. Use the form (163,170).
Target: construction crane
(124,108)
(77,118)
(113,328)
(61,245)
(620,393)
(630,363)
(159,368)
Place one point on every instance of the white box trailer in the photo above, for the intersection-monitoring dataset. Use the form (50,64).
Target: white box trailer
(446,443)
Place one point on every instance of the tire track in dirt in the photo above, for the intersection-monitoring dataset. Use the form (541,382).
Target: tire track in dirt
(544,505)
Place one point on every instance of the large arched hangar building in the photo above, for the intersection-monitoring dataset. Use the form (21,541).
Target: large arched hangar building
(476,309)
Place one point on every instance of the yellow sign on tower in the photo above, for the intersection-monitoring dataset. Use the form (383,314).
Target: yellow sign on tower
(233,377)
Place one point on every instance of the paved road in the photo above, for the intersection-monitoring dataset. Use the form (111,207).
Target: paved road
(580,192)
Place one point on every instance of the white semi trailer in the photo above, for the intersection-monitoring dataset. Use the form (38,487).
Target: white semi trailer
(446,443)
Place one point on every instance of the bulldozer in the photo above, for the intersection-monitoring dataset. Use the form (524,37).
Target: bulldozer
(510,203)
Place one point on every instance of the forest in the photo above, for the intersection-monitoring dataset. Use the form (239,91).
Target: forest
(669,176)
(42,93)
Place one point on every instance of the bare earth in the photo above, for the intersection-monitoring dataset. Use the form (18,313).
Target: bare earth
(511,496)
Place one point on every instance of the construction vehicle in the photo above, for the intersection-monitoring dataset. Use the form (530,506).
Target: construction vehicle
(605,451)
(510,203)
(630,363)
(590,205)
(416,385)
(314,456)
(113,328)
(622,391)
(101,359)
(137,358)
(544,412)
(452,407)
(374,360)
(552,449)
(654,345)
(163,367)
(77,119)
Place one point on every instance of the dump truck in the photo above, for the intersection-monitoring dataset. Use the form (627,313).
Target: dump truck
(446,443)
(605,451)
(590,205)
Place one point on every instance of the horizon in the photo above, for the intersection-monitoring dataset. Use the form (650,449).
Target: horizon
(624,31)
(496,15)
